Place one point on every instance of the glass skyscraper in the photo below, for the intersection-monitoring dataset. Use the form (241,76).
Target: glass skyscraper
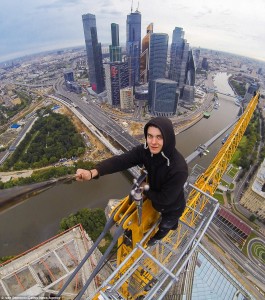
(115,48)
(182,66)
(144,68)
(164,97)
(191,70)
(158,55)
(179,54)
(117,78)
(94,53)
(157,63)
(68,75)
(133,46)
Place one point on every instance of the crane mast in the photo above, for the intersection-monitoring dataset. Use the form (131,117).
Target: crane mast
(144,272)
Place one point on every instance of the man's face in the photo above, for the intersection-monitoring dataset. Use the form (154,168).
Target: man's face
(154,140)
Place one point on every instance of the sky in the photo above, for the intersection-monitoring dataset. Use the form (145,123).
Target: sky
(32,26)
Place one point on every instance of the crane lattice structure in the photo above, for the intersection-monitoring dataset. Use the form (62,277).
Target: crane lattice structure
(150,272)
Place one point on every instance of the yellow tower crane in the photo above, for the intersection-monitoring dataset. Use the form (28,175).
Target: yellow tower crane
(149,272)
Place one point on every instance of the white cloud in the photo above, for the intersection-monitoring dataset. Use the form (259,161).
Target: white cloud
(232,26)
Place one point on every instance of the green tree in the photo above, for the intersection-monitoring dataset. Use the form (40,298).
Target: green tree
(252,218)
(92,220)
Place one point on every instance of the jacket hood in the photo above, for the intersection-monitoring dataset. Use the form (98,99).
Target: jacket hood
(167,130)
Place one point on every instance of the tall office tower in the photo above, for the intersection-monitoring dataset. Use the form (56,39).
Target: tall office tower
(161,92)
(68,75)
(115,40)
(117,78)
(179,54)
(126,95)
(182,65)
(158,55)
(133,46)
(164,97)
(191,70)
(115,48)
(197,53)
(205,64)
(188,89)
(94,53)
(144,67)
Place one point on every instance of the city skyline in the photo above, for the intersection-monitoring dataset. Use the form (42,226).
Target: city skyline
(33,27)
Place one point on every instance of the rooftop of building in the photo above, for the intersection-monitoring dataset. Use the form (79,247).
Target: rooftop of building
(259,181)
(45,268)
(234,220)
(212,281)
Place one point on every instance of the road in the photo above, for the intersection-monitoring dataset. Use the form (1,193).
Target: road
(253,270)
(98,118)
(21,135)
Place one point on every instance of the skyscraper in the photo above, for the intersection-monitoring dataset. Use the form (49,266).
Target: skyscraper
(133,46)
(94,53)
(158,55)
(191,70)
(182,66)
(115,34)
(197,53)
(115,48)
(179,54)
(117,78)
(144,68)
(162,98)
(68,75)
(205,64)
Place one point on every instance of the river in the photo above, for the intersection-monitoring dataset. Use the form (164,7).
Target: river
(37,219)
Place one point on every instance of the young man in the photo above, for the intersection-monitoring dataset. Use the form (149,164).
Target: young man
(167,172)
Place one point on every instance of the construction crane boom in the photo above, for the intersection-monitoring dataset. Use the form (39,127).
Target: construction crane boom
(149,272)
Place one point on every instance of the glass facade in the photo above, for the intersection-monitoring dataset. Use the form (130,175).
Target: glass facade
(115,34)
(182,64)
(115,48)
(115,53)
(212,282)
(94,53)
(133,46)
(179,54)
(164,98)
(158,55)
(117,78)
(68,75)
(157,64)
(191,71)
(145,53)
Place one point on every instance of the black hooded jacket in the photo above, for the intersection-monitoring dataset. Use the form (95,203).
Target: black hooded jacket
(167,170)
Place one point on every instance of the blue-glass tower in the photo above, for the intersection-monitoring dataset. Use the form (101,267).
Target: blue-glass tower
(68,75)
(158,55)
(133,46)
(182,65)
(115,48)
(164,97)
(179,54)
(157,63)
(94,53)
(191,70)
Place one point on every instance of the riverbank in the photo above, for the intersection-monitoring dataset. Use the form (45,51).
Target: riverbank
(9,196)
(17,194)
(12,196)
